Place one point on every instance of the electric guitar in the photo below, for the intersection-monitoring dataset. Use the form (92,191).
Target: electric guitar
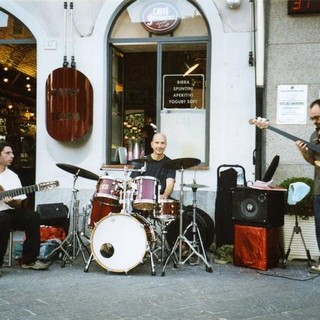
(43,186)
(264,124)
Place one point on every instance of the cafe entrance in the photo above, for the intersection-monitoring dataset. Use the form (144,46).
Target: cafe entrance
(159,61)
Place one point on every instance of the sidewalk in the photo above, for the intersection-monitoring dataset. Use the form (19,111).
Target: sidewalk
(186,292)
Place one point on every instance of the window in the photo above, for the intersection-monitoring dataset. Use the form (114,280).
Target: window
(159,77)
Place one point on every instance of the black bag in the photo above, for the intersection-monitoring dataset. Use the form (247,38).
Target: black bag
(54,214)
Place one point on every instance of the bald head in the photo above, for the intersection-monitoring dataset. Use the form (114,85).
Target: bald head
(158,136)
(158,145)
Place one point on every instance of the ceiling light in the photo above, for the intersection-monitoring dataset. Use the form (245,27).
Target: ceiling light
(190,69)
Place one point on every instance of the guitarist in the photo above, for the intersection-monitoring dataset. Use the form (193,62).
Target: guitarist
(13,216)
(313,157)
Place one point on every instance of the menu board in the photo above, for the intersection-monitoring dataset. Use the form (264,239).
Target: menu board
(183,92)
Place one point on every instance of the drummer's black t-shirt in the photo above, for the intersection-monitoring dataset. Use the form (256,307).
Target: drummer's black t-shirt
(155,169)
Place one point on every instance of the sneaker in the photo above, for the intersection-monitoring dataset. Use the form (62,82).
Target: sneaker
(37,265)
(315,269)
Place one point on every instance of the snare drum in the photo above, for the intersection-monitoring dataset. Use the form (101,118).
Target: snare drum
(147,193)
(119,242)
(108,189)
(168,209)
(100,210)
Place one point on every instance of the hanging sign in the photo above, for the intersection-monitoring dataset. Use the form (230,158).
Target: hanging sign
(160,18)
(69,104)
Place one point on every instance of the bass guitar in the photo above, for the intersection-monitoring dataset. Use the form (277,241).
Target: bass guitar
(43,186)
(264,124)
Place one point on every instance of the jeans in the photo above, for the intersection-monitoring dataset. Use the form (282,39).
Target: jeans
(317,218)
(24,220)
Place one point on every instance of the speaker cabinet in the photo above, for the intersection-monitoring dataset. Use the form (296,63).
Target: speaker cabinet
(227,180)
(257,247)
(258,207)
(54,214)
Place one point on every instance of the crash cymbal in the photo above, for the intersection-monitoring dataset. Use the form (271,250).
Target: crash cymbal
(78,171)
(181,163)
(195,185)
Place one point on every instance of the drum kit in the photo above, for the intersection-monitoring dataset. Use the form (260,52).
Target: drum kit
(129,223)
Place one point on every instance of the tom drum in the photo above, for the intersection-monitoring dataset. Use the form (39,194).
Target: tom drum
(146,192)
(109,189)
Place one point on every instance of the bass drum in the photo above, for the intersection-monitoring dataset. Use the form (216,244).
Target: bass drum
(119,242)
(204,222)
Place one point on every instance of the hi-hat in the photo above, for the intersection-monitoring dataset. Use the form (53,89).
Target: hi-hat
(78,171)
(181,163)
(195,185)
(140,160)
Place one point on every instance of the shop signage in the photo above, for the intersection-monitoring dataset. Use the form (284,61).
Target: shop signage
(160,18)
(183,92)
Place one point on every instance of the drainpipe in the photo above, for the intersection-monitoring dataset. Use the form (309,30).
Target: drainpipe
(256,59)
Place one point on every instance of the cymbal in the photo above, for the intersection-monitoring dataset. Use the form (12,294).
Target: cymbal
(78,171)
(140,160)
(181,163)
(195,185)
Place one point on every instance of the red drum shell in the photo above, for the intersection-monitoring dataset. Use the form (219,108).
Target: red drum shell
(169,209)
(100,210)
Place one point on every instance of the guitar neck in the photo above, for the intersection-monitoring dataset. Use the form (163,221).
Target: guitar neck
(18,191)
(311,146)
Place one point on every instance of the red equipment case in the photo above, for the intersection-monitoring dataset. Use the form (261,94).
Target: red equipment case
(256,247)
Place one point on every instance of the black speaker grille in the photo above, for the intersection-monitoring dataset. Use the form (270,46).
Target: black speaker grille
(258,207)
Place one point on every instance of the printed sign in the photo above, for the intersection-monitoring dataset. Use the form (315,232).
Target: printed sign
(184,92)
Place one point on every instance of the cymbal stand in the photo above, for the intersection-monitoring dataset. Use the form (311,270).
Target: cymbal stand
(182,239)
(196,231)
(72,245)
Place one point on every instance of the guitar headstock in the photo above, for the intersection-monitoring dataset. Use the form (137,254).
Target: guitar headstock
(261,123)
(49,185)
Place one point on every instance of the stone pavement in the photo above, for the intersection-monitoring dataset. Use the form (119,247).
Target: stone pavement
(186,292)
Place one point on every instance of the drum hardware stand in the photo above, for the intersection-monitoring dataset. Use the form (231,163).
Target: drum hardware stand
(183,239)
(73,240)
(195,231)
(163,236)
(151,253)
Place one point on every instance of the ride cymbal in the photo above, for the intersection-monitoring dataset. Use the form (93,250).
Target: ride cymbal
(78,171)
(181,163)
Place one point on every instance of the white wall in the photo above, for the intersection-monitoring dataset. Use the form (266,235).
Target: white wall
(232,94)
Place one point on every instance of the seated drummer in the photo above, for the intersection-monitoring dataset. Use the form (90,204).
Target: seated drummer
(154,168)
